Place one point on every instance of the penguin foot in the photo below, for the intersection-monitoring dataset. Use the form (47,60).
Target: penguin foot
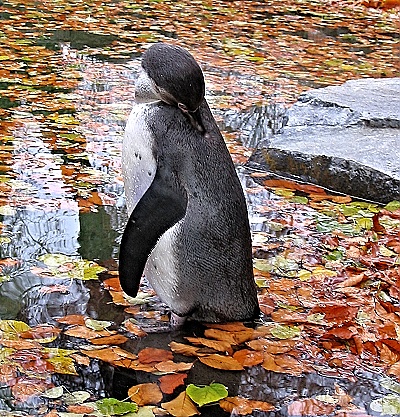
(176,322)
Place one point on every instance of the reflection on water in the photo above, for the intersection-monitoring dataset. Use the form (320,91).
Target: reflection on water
(56,170)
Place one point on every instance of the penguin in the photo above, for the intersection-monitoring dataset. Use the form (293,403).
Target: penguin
(188,230)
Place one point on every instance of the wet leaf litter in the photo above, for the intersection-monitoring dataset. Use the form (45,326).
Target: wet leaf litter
(326,266)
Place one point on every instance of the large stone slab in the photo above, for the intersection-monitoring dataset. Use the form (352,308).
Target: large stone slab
(346,138)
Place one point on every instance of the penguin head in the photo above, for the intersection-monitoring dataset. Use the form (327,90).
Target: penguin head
(171,74)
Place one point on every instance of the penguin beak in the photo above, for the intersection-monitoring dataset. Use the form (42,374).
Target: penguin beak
(145,89)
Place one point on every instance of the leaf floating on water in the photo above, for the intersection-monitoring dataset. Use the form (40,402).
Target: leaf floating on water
(393,205)
(181,406)
(150,355)
(97,324)
(168,383)
(226,363)
(54,393)
(390,384)
(145,394)
(206,394)
(285,332)
(243,406)
(114,407)
(10,329)
(389,405)
(310,407)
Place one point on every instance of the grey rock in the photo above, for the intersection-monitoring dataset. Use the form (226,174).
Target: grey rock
(345,138)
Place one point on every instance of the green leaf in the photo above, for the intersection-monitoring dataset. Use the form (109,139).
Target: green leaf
(207,394)
(393,205)
(53,393)
(114,407)
(285,332)
(365,223)
(77,397)
(97,324)
(298,199)
(390,404)
(391,385)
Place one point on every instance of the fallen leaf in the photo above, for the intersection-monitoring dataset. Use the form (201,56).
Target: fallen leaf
(181,406)
(117,339)
(243,406)
(172,367)
(217,361)
(310,407)
(206,394)
(168,383)
(145,394)
(248,358)
(150,355)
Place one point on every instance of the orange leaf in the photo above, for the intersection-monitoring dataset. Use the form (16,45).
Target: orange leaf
(248,357)
(182,349)
(76,319)
(28,387)
(226,363)
(219,345)
(150,355)
(243,406)
(272,346)
(20,344)
(181,406)
(116,339)
(168,383)
(134,329)
(172,367)
(145,394)
(40,332)
(80,409)
(7,373)
(84,332)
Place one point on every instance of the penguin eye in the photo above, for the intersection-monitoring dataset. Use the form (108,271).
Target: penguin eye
(183,108)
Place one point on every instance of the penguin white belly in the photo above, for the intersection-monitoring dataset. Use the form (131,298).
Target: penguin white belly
(161,271)
(138,163)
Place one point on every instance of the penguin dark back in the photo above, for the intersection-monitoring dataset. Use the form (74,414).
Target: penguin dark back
(188,230)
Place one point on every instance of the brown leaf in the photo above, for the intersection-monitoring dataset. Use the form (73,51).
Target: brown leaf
(150,355)
(217,361)
(168,383)
(243,406)
(181,406)
(145,394)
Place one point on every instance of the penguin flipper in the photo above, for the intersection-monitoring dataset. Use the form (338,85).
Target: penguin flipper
(158,210)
